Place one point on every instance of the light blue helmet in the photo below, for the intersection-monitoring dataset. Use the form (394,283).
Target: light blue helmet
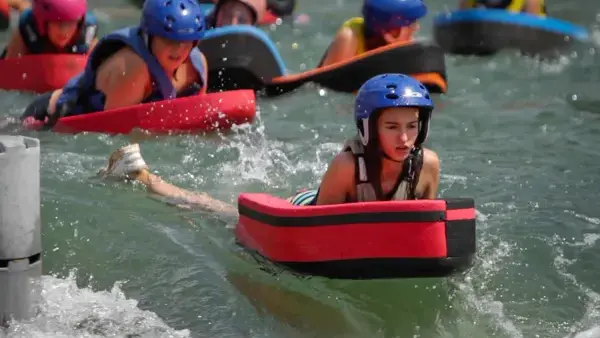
(179,20)
(392,90)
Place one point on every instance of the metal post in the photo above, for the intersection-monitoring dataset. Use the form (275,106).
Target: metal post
(20,227)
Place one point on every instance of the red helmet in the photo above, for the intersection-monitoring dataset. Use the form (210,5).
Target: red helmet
(57,10)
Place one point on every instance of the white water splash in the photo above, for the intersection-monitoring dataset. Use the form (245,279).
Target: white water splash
(591,333)
(493,254)
(68,311)
(595,37)
(273,162)
(592,220)
(591,317)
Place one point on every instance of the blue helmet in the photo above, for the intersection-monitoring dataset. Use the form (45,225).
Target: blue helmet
(390,14)
(180,20)
(392,90)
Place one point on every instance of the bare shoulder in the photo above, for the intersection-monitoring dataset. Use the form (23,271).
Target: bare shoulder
(126,65)
(124,61)
(345,36)
(343,162)
(337,182)
(341,169)
(131,61)
(427,186)
(431,161)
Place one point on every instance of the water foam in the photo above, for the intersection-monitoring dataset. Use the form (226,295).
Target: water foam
(65,310)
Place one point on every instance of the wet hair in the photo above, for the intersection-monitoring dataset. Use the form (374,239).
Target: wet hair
(373,155)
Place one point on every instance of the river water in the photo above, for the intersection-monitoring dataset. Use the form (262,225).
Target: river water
(517,135)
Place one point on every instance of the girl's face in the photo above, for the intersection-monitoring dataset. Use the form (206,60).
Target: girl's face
(170,53)
(397,129)
(403,34)
(60,33)
(234,13)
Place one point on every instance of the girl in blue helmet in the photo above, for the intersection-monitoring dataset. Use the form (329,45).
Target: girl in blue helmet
(383,22)
(154,61)
(385,160)
(536,7)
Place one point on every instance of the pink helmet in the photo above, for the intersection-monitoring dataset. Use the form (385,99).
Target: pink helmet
(57,10)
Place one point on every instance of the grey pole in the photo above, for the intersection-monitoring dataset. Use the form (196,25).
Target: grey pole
(20,227)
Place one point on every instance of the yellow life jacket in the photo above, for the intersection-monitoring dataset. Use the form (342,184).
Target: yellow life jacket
(357,25)
(515,6)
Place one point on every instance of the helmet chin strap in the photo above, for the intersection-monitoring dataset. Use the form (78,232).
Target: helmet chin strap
(146,39)
(364,133)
